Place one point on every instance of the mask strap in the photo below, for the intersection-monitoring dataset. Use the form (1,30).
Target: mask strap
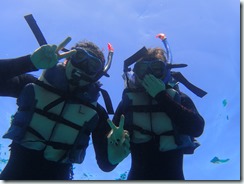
(179,77)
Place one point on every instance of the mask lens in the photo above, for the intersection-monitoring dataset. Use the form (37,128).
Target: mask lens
(93,66)
(156,68)
(141,69)
(80,56)
(86,62)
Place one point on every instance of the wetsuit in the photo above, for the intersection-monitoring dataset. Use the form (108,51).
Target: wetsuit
(148,161)
(29,164)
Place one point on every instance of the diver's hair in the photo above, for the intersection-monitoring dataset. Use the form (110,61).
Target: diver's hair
(154,54)
(91,47)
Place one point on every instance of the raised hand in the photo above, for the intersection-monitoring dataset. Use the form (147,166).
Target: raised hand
(152,85)
(118,142)
(48,55)
(116,135)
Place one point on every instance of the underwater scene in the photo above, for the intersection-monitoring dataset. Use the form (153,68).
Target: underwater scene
(204,35)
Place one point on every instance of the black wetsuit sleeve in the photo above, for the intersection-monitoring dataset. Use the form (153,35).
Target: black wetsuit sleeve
(13,77)
(184,115)
(13,67)
(99,138)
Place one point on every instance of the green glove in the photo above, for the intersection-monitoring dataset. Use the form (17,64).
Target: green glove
(47,56)
(118,142)
(152,85)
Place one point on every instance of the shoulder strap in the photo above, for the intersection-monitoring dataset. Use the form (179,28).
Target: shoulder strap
(107,100)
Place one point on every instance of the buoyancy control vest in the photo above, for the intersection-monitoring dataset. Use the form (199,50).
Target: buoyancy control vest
(147,121)
(53,121)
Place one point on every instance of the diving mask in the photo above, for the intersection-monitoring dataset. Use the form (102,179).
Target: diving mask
(156,67)
(87,62)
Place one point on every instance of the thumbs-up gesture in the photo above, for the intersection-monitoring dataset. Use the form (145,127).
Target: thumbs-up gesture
(118,142)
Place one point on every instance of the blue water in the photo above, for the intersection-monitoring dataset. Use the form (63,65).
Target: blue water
(203,34)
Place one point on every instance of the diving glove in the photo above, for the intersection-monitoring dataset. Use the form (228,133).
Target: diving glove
(118,142)
(47,55)
(152,85)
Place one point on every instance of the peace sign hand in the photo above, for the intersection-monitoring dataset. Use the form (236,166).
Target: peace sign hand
(47,55)
(116,134)
(118,142)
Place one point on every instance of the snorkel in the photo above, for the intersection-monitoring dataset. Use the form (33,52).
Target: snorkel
(176,77)
(109,60)
(163,38)
(169,58)
(169,64)
(107,66)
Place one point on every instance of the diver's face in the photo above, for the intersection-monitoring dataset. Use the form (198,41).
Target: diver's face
(83,67)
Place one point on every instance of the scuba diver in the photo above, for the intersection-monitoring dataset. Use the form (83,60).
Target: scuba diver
(162,121)
(58,112)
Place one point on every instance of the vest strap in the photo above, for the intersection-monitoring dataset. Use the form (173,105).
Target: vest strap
(58,119)
(107,100)
(64,96)
(55,145)
(148,132)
